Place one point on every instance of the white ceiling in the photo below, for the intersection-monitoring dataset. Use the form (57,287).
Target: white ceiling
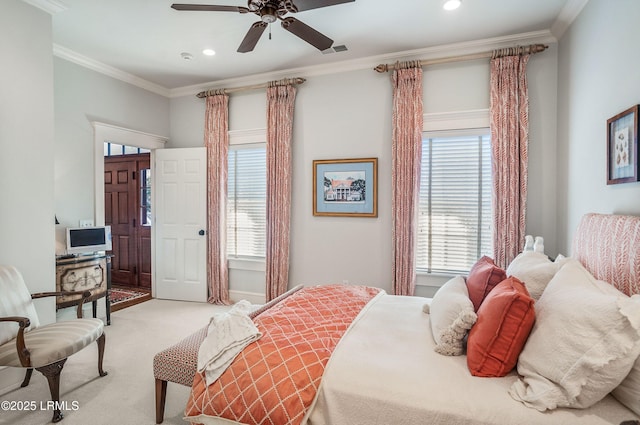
(145,38)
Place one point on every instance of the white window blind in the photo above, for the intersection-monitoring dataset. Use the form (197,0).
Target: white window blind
(246,201)
(455,220)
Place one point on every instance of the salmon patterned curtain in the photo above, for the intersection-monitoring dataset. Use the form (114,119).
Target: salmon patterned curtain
(406,152)
(216,140)
(509,110)
(281,96)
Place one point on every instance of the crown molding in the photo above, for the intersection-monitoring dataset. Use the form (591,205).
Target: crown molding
(475,46)
(50,6)
(72,56)
(455,49)
(567,15)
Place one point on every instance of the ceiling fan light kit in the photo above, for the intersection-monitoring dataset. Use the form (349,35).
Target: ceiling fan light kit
(269,12)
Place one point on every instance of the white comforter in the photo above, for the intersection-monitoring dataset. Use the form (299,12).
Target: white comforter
(384,371)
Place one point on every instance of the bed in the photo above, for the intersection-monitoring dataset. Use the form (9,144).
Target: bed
(379,365)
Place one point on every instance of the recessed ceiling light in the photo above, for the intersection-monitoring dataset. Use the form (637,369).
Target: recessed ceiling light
(209,52)
(451,4)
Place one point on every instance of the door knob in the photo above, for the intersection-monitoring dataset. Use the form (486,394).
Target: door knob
(201,232)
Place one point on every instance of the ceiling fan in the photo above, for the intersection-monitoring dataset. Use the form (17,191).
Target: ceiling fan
(269,12)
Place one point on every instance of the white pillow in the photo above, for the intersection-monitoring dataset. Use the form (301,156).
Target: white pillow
(583,344)
(628,392)
(535,270)
(451,317)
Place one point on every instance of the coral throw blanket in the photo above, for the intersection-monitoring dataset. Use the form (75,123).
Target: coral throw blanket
(274,380)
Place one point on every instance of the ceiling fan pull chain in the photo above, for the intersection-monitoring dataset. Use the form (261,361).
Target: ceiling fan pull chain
(269,32)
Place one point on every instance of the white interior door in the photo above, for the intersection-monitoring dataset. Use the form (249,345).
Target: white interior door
(181,217)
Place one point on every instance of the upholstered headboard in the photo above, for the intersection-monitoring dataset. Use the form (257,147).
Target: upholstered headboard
(609,247)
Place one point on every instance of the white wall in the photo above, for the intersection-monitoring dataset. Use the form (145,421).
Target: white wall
(83,96)
(348,115)
(598,78)
(542,75)
(341,116)
(26,149)
(27,146)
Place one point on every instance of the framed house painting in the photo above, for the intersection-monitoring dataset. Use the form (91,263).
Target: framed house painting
(345,187)
(622,147)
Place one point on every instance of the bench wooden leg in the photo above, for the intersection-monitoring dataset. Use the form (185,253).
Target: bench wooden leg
(161,397)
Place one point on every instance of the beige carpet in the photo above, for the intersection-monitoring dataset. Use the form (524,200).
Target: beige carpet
(126,395)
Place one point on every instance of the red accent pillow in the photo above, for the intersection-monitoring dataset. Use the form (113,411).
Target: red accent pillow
(504,322)
(483,277)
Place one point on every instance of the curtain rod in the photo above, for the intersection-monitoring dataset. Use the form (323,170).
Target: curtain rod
(509,51)
(211,92)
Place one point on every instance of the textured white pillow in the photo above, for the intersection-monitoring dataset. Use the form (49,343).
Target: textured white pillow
(451,317)
(628,392)
(583,344)
(535,270)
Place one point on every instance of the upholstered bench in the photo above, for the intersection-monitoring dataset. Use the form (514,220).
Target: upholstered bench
(179,363)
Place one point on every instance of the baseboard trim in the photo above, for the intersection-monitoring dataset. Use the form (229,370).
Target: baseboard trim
(252,297)
(11,378)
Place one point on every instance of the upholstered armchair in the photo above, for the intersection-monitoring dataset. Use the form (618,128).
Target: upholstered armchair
(26,344)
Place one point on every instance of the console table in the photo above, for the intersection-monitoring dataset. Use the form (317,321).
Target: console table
(84,273)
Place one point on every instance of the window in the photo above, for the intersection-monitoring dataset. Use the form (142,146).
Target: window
(145,196)
(113,149)
(455,221)
(246,201)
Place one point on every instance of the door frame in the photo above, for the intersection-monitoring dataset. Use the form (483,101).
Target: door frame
(102,133)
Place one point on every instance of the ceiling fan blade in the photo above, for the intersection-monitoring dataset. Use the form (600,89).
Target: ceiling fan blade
(308,34)
(253,35)
(315,4)
(209,8)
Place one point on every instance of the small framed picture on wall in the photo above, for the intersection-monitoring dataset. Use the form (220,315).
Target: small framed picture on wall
(622,147)
(345,187)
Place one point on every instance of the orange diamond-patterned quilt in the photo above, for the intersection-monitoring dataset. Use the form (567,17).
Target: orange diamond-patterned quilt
(274,380)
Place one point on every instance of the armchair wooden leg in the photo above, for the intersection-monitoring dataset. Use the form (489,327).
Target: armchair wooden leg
(161,397)
(52,372)
(101,341)
(27,377)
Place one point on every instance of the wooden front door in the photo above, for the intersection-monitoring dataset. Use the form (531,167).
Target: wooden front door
(127,195)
